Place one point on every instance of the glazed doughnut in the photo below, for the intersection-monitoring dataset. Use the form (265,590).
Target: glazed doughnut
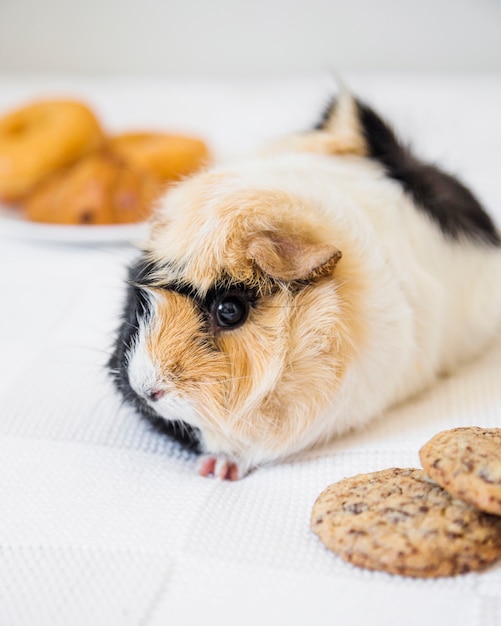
(39,139)
(168,157)
(99,189)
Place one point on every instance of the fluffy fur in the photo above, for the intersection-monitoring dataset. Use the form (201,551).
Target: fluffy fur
(356,285)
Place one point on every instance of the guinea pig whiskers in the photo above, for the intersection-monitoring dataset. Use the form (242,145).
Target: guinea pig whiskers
(240,419)
(291,306)
(224,380)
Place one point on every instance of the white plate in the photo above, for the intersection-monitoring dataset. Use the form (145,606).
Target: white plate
(13,224)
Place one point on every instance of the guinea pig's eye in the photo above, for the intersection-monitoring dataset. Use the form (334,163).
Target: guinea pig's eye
(230,310)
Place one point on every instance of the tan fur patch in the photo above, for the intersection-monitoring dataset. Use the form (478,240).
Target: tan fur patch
(211,234)
(347,142)
(342,133)
(184,356)
(291,257)
(324,332)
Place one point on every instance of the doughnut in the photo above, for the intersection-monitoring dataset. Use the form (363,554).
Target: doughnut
(99,189)
(40,138)
(168,157)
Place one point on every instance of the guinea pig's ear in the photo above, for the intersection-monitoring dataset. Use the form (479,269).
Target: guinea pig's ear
(290,257)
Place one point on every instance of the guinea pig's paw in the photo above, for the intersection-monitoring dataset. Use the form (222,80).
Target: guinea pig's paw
(220,466)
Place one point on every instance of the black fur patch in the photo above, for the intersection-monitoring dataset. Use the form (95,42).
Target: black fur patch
(441,196)
(136,309)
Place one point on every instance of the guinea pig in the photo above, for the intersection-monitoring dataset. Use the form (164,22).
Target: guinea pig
(287,297)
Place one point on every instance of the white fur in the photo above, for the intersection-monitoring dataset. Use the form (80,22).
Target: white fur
(434,303)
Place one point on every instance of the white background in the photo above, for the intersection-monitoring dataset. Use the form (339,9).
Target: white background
(249,37)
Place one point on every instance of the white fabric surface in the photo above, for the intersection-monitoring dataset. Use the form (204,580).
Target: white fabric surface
(105,522)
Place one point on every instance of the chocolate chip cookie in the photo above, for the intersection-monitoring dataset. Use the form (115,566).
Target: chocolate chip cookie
(402,522)
(467,462)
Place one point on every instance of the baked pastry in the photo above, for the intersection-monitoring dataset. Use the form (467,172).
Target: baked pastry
(99,189)
(168,157)
(39,139)
(467,462)
(402,522)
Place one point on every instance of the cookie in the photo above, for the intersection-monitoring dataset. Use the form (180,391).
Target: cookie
(402,522)
(467,462)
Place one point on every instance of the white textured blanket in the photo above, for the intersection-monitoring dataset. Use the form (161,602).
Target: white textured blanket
(104,522)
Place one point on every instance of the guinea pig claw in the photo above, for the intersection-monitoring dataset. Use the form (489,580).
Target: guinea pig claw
(218,466)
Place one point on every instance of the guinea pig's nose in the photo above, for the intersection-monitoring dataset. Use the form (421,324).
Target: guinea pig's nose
(156,394)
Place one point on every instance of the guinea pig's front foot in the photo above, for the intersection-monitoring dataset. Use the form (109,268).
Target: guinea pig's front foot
(219,466)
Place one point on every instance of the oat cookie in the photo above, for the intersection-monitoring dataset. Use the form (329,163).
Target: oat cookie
(402,522)
(467,462)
